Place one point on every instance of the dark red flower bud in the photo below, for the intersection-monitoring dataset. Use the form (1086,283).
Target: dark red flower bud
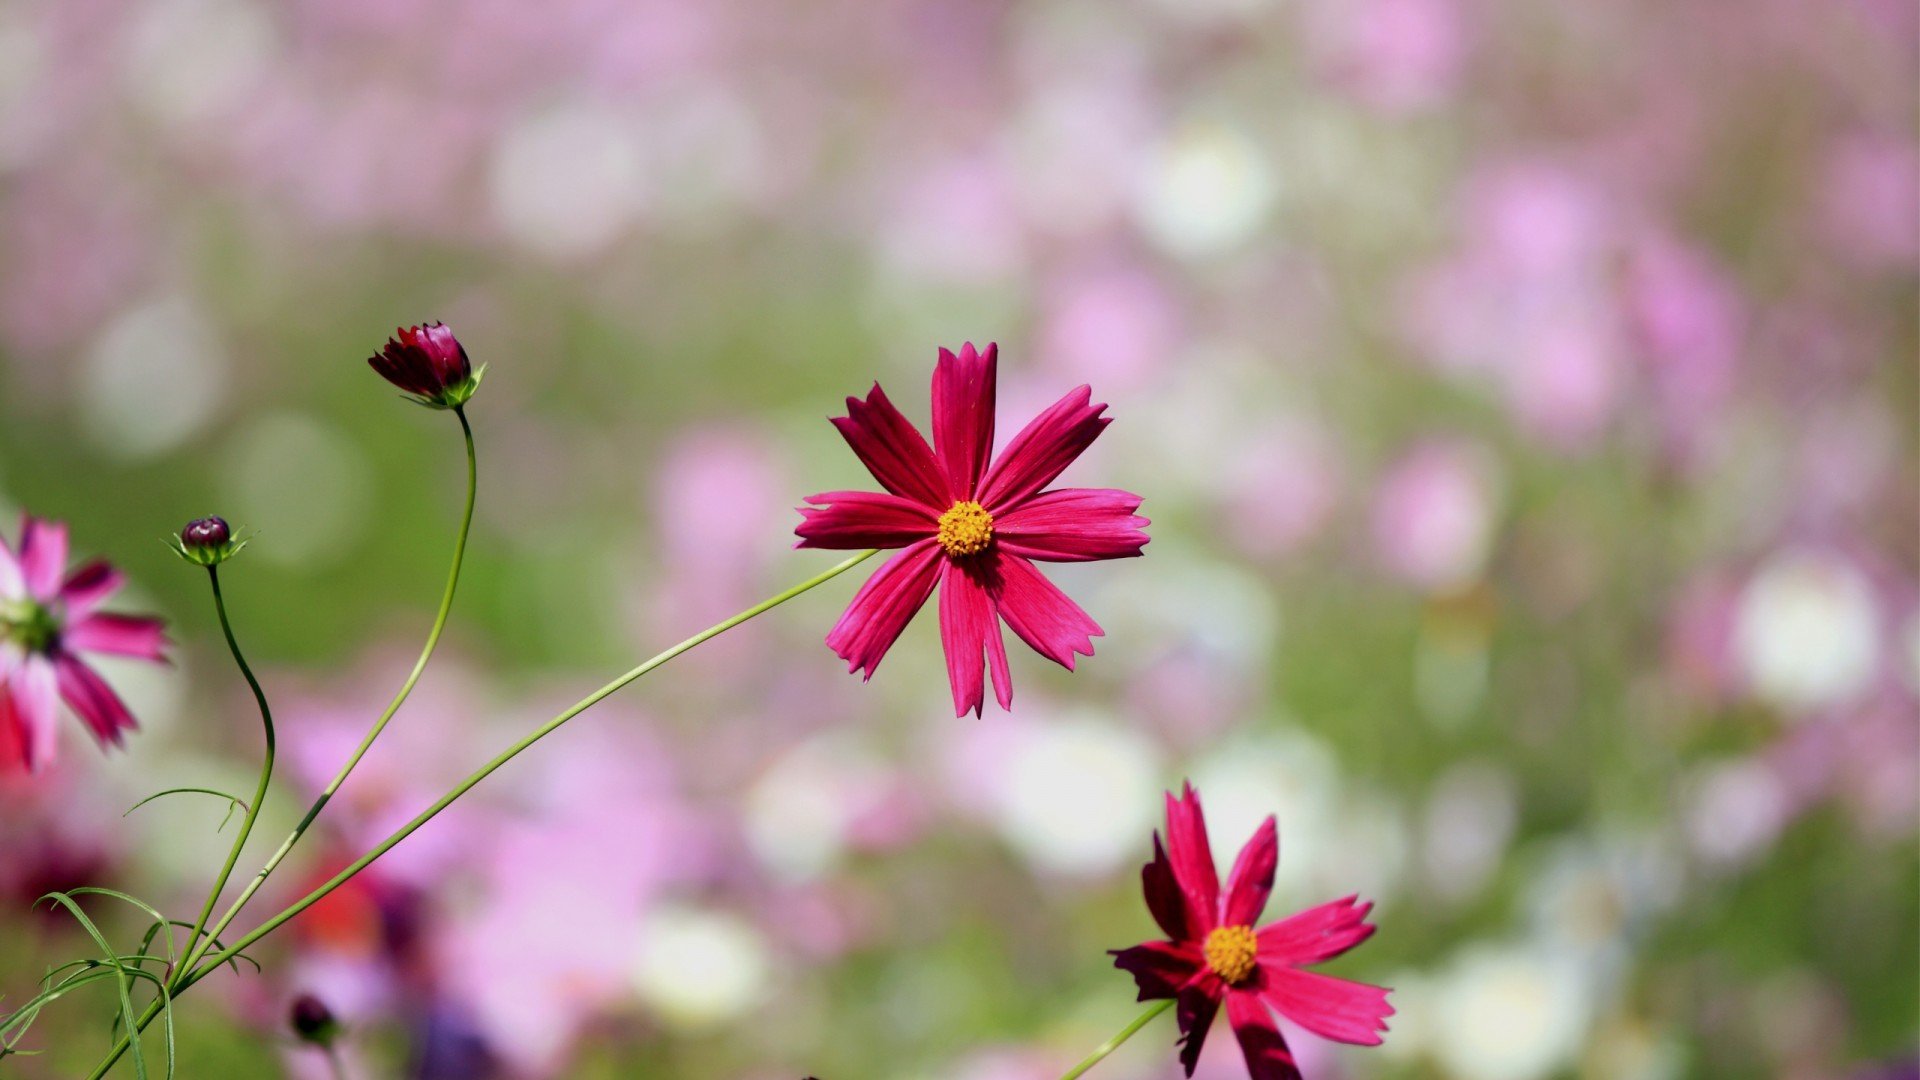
(207,541)
(207,532)
(312,1021)
(429,363)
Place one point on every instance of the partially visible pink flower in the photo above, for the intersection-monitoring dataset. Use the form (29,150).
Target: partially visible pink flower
(972,527)
(46,621)
(1213,956)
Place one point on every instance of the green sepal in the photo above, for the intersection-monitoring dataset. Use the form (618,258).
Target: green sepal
(210,555)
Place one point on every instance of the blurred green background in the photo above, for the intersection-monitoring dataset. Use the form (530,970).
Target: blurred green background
(1523,395)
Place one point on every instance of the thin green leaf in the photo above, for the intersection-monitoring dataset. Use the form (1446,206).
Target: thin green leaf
(120,978)
(231,801)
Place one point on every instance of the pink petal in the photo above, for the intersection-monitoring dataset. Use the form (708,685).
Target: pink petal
(27,703)
(1073,525)
(1331,1008)
(1251,881)
(88,587)
(1159,968)
(1043,616)
(1317,934)
(1195,1014)
(963,402)
(1167,901)
(893,450)
(1193,858)
(1042,450)
(43,556)
(884,605)
(92,700)
(1268,1056)
(969,633)
(121,635)
(850,520)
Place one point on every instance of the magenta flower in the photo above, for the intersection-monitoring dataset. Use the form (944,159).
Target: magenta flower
(971,526)
(429,363)
(1215,956)
(46,622)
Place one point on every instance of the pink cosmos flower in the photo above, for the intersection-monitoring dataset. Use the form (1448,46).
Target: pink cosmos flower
(1214,956)
(972,526)
(46,622)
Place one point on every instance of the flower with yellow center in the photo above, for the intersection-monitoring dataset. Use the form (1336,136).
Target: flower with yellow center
(1230,952)
(965,529)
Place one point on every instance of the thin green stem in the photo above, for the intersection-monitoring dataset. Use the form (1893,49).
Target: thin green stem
(336,1064)
(259,791)
(212,962)
(1113,1044)
(406,689)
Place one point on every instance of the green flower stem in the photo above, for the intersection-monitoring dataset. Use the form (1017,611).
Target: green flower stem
(198,949)
(259,791)
(1113,1044)
(212,963)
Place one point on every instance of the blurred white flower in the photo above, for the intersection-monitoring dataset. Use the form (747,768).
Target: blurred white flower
(1470,817)
(1208,190)
(1509,1012)
(1807,633)
(1077,795)
(568,181)
(155,378)
(800,813)
(697,968)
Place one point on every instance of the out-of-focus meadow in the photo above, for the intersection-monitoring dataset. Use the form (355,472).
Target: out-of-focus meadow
(1523,393)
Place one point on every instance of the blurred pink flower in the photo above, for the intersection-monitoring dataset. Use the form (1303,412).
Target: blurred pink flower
(46,621)
(1689,322)
(1433,515)
(1115,324)
(1527,304)
(1870,201)
(1285,488)
(715,503)
(973,528)
(55,837)
(1395,55)
(1214,956)
(601,832)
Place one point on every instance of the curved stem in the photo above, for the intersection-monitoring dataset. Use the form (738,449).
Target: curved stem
(212,962)
(259,791)
(406,689)
(1113,1044)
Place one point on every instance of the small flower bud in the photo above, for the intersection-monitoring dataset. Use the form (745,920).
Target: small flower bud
(207,541)
(206,532)
(312,1021)
(430,364)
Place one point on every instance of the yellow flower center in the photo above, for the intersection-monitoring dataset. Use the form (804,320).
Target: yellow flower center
(1230,953)
(966,529)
